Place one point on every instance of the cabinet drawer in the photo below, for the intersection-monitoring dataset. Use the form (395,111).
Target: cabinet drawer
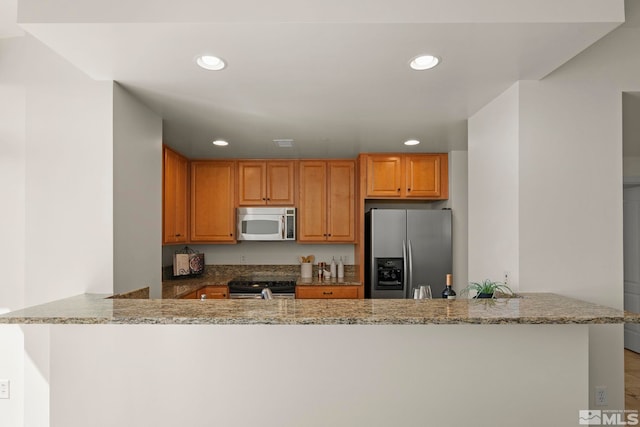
(323,292)
(214,292)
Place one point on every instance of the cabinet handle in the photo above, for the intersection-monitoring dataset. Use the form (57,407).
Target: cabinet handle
(231,234)
(264,198)
(329,234)
(327,293)
(268,198)
(408,189)
(398,190)
(178,235)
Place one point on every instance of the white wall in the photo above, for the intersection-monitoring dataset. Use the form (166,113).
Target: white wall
(571,206)
(458,202)
(56,215)
(493,190)
(318,375)
(137,189)
(12,218)
(277,253)
(570,188)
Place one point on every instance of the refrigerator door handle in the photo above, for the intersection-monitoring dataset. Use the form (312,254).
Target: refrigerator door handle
(405,279)
(410,262)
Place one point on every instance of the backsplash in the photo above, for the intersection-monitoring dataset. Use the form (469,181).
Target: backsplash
(243,270)
(263,253)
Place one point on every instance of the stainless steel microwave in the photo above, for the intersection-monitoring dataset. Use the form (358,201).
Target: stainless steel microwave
(266,224)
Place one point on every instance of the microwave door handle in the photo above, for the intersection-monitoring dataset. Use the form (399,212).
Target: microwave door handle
(283,227)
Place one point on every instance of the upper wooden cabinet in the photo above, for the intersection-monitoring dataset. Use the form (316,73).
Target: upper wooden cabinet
(213,201)
(326,201)
(174,197)
(268,182)
(411,176)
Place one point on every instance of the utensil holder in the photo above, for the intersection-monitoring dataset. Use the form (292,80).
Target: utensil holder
(306,270)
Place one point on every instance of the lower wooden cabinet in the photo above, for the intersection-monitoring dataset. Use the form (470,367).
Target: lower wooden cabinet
(214,292)
(326,292)
(190,295)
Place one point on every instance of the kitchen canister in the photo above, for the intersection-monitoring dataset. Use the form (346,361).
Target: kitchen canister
(306,270)
(188,262)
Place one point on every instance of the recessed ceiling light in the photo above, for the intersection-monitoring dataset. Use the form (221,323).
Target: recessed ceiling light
(424,62)
(412,142)
(220,143)
(212,63)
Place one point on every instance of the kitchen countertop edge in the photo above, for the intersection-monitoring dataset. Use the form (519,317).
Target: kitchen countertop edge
(533,309)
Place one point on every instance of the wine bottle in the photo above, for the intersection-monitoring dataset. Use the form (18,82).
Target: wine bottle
(448,292)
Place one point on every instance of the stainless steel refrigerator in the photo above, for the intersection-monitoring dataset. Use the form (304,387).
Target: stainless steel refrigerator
(406,248)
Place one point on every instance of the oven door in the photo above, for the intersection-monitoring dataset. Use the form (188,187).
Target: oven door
(260,227)
(259,296)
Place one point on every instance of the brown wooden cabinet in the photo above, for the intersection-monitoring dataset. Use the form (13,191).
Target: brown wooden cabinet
(190,295)
(325,292)
(214,292)
(175,192)
(408,176)
(326,201)
(268,182)
(213,201)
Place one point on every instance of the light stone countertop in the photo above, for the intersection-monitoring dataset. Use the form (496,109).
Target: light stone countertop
(539,308)
(177,288)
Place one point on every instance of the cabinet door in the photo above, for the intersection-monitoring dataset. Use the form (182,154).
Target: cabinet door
(280,183)
(251,183)
(384,176)
(214,292)
(325,292)
(426,176)
(174,198)
(312,201)
(341,185)
(212,201)
(190,295)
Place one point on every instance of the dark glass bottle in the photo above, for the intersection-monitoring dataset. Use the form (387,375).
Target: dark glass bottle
(448,292)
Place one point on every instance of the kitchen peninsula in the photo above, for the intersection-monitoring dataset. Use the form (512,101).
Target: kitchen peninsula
(320,362)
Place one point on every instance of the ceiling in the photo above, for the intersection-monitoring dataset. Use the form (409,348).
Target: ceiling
(335,80)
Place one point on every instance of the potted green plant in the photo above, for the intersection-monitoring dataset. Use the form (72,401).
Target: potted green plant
(487,288)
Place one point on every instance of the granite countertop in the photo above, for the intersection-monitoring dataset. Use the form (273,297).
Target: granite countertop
(334,281)
(540,308)
(176,288)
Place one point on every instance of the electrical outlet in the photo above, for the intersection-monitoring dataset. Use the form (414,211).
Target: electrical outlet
(243,258)
(601,396)
(506,277)
(4,389)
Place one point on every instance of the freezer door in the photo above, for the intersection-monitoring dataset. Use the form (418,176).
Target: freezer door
(429,232)
(387,231)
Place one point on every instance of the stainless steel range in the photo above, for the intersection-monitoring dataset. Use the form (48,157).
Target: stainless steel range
(252,286)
